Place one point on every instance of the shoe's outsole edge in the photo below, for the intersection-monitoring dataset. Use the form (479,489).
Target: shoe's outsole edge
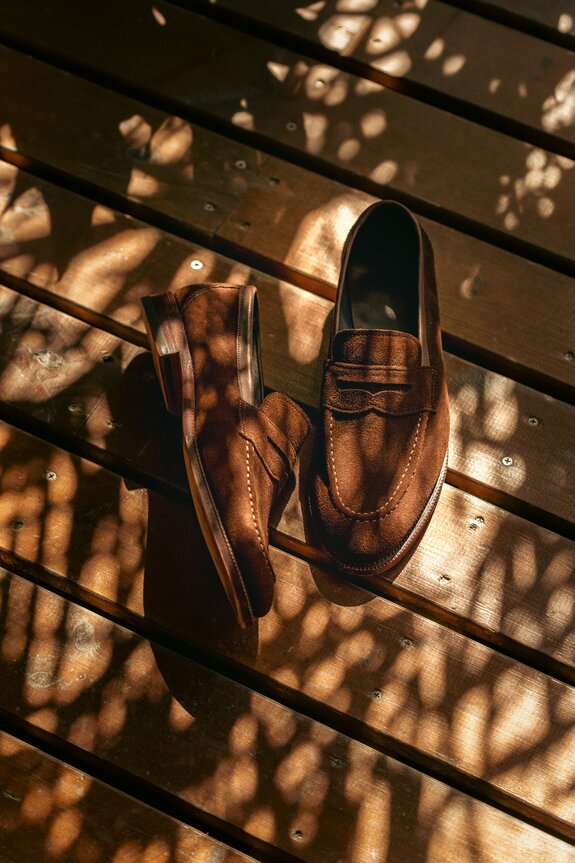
(174,367)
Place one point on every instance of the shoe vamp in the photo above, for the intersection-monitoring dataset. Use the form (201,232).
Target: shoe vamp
(373,459)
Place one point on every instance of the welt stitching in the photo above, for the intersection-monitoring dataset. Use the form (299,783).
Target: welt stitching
(238,326)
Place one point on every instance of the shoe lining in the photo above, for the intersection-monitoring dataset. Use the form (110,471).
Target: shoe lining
(381,290)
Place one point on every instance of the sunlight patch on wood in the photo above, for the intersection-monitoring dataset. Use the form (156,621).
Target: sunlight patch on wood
(311,12)
(341,32)
(63,832)
(397,63)
(468,727)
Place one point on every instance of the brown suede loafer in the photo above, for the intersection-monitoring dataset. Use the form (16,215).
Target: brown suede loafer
(239,447)
(381,447)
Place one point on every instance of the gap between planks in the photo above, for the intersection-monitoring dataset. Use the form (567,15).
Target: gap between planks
(310,710)
(273,146)
(537,21)
(88,819)
(478,355)
(280,538)
(233,15)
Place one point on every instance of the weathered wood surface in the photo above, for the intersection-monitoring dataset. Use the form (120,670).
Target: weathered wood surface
(516,310)
(433,44)
(556,14)
(496,571)
(238,756)
(92,387)
(395,143)
(497,724)
(367,659)
(51,811)
(492,417)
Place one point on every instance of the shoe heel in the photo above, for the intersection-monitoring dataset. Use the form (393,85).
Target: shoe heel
(166,333)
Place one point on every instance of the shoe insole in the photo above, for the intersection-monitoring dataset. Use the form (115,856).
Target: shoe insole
(382,279)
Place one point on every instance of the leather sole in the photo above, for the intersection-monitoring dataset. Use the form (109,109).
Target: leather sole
(174,367)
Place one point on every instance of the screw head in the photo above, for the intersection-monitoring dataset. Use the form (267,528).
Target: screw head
(569,356)
(274,181)
(507,460)
(196,264)
(211,208)
(406,642)
(319,83)
(75,408)
(245,225)
(376,694)
(533,421)
(50,475)
(291,126)
(241,165)
(17,524)
(107,358)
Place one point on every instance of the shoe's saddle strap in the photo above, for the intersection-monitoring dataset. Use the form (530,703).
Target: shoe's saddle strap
(352,389)
(277,430)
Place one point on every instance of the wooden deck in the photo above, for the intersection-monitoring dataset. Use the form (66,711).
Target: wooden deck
(428,718)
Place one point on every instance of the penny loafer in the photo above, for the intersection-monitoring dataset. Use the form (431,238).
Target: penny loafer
(239,447)
(381,448)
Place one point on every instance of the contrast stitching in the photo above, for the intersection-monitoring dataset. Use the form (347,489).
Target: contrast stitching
(398,549)
(375,514)
(268,564)
(200,291)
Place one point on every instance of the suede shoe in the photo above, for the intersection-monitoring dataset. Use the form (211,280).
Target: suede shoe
(239,447)
(381,447)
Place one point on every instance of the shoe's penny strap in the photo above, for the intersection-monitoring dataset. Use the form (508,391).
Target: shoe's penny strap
(277,430)
(352,389)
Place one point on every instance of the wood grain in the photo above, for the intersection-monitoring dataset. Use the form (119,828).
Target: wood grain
(79,374)
(402,677)
(496,572)
(239,756)
(376,136)
(49,810)
(103,261)
(436,45)
(555,14)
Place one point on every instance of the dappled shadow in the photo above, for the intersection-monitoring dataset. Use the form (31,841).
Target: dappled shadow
(406,684)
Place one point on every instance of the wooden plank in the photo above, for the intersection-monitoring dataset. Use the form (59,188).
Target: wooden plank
(279,777)
(509,569)
(50,810)
(77,249)
(493,418)
(481,287)
(432,693)
(501,184)
(437,45)
(192,174)
(558,15)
